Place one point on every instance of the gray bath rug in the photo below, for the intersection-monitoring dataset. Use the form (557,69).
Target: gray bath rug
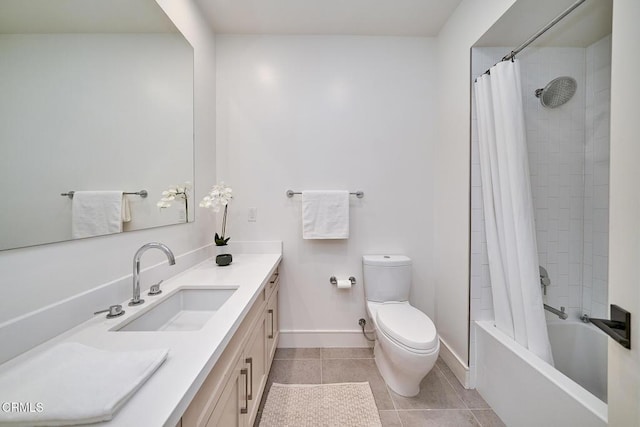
(344,405)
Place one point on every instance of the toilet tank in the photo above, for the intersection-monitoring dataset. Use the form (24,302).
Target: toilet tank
(386,277)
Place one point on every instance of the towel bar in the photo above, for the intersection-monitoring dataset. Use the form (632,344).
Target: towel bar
(141,193)
(358,194)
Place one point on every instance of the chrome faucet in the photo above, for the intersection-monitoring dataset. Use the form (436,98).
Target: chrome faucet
(136,267)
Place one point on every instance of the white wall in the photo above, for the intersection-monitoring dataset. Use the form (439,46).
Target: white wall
(36,277)
(624,233)
(330,112)
(88,112)
(451,173)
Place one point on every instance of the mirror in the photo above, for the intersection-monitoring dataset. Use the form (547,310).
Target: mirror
(96,95)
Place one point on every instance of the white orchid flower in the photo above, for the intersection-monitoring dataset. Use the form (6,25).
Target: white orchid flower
(173,192)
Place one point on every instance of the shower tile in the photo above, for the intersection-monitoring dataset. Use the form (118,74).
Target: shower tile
(575,296)
(586,299)
(575,274)
(563,264)
(563,241)
(587,275)
(601,244)
(600,268)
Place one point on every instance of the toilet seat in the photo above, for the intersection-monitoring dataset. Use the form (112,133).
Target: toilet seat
(407,326)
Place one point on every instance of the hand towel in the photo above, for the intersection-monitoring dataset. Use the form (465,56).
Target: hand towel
(126,210)
(94,213)
(325,214)
(72,383)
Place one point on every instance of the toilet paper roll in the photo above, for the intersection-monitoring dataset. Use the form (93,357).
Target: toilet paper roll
(344,284)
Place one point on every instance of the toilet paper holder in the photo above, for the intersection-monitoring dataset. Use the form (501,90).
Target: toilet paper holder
(334,281)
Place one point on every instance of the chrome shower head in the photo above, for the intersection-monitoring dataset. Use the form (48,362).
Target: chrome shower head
(557,92)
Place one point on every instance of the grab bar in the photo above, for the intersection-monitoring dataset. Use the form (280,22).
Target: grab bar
(560,313)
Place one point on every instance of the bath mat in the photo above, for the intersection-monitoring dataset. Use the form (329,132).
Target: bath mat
(344,405)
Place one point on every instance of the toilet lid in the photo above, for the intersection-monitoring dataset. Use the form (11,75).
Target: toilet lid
(407,325)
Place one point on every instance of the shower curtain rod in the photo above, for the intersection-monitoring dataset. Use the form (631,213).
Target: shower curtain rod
(511,55)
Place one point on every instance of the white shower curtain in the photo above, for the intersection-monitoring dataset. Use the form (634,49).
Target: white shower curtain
(508,209)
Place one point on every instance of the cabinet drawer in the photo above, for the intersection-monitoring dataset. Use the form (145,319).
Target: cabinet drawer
(203,403)
(273,282)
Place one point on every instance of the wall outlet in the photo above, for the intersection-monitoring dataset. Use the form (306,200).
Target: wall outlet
(253,214)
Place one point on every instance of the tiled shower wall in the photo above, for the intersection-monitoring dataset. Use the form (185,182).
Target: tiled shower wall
(568,151)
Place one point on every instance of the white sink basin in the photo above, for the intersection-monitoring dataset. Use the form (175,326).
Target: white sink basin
(186,309)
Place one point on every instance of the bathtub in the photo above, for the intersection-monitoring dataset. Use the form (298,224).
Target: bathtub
(525,391)
(580,352)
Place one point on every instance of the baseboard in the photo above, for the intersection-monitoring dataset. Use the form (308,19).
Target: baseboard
(52,320)
(457,366)
(323,338)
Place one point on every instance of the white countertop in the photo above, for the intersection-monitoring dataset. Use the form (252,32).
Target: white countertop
(162,400)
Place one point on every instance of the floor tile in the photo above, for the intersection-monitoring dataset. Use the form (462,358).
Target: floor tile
(488,418)
(435,393)
(295,372)
(438,417)
(297,353)
(347,353)
(470,397)
(390,419)
(358,370)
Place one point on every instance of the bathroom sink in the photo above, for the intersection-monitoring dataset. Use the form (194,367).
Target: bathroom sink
(186,309)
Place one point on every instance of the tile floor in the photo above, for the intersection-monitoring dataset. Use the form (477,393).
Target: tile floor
(442,401)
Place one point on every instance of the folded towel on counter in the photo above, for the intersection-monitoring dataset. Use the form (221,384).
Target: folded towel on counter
(73,384)
(325,214)
(95,213)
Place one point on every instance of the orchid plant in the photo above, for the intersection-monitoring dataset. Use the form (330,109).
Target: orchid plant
(179,192)
(219,196)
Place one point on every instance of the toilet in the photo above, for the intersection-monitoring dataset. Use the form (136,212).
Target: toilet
(407,344)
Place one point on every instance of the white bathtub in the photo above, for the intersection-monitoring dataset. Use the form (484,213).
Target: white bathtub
(525,391)
(580,352)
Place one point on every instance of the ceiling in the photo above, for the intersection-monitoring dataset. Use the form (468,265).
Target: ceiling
(83,16)
(585,25)
(344,17)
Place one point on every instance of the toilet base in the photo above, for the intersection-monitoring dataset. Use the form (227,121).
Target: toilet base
(403,372)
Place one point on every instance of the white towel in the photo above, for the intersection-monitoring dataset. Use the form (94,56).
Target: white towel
(325,214)
(94,213)
(75,384)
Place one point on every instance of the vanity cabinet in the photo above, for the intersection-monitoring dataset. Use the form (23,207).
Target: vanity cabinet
(273,331)
(231,393)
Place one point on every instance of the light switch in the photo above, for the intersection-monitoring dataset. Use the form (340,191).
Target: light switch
(253,214)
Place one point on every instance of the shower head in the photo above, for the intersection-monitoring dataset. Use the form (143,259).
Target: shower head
(557,92)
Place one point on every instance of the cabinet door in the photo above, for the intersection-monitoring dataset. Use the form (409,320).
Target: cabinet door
(273,330)
(232,407)
(256,363)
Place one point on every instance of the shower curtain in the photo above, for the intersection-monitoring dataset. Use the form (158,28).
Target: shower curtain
(508,209)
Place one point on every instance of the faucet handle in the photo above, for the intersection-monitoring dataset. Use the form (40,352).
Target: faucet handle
(114,311)
(155,289)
